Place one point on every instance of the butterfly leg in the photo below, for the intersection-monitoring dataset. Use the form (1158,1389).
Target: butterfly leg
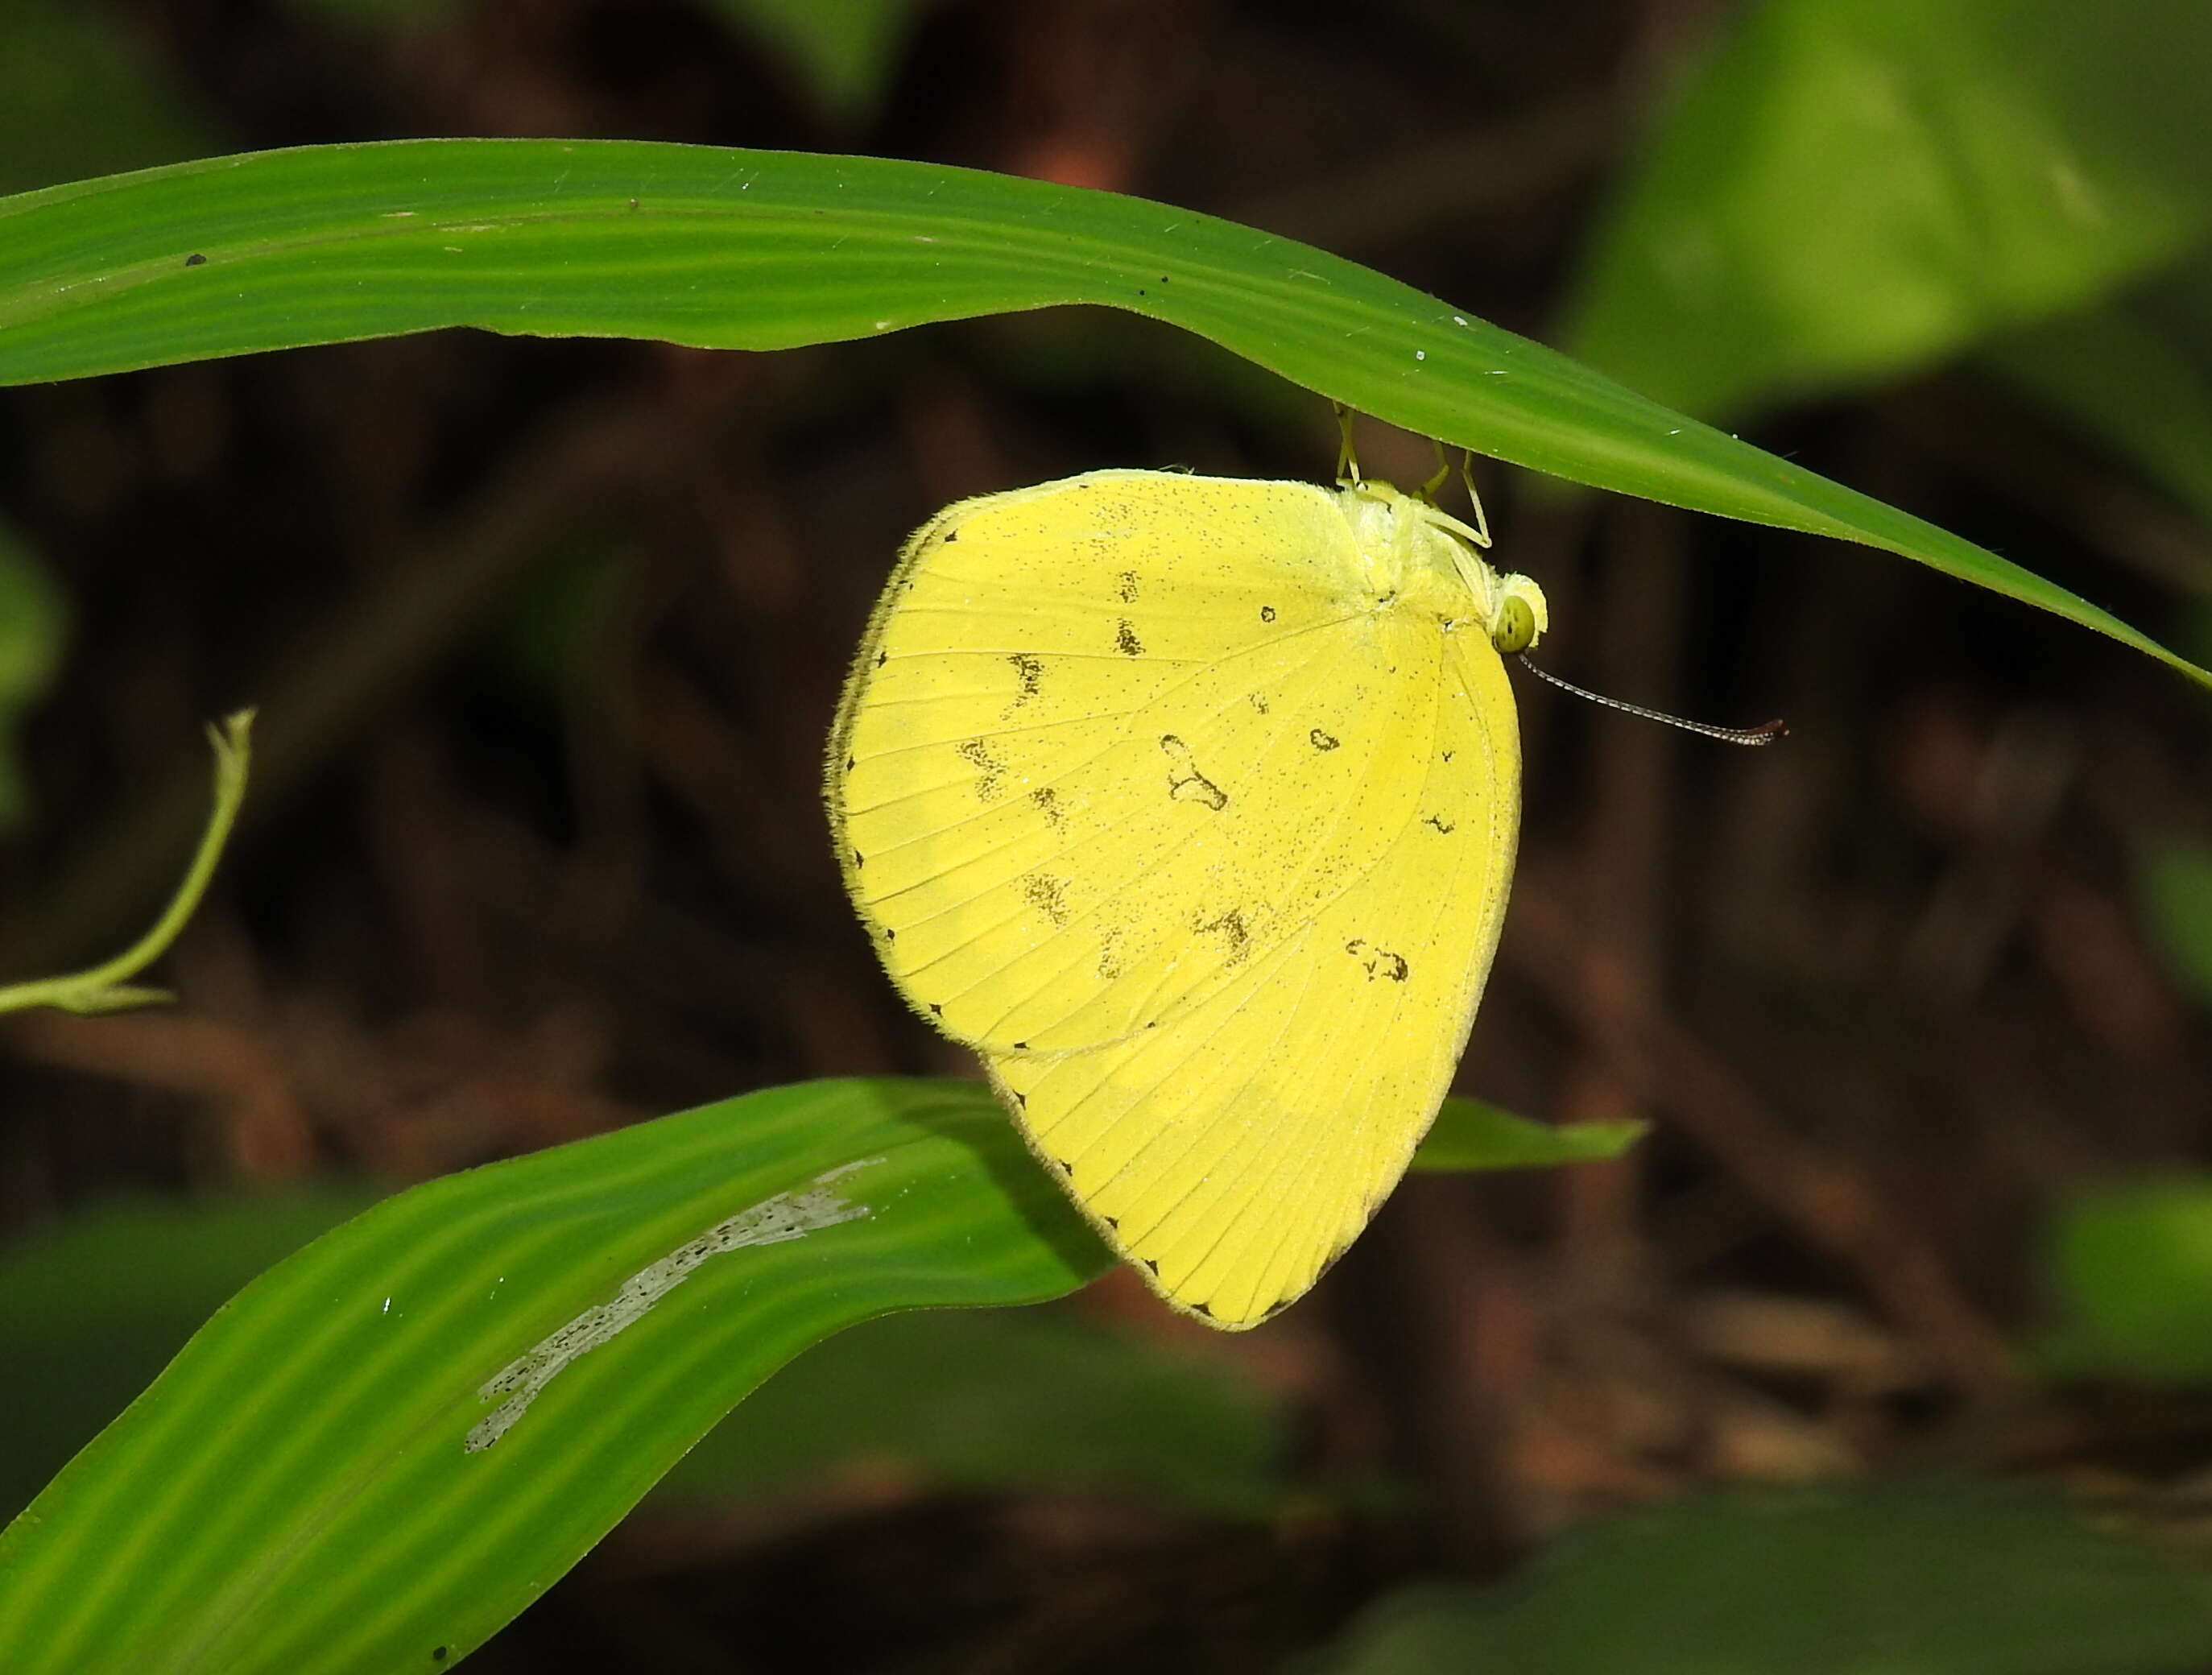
(1347,461)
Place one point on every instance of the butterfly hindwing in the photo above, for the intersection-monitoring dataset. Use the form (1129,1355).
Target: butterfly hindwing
(1233,1151)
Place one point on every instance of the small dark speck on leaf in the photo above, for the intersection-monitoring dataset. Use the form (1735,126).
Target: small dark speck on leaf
(440,1654)
(195,260)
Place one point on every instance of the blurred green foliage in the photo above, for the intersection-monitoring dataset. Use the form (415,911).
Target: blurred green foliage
(2133,377)
(2173,895)
(34,629)
(1851,190)
(63,62)
(1912,1577)
(2131,1266)
(844,54)
(1005,1401)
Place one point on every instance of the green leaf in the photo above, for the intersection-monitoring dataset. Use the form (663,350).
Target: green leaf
(34,628)
(2173,900)
(1471,1135)
(2132,1267)
(390,1443)
(1852,189)
(769,250)
(1917,1577)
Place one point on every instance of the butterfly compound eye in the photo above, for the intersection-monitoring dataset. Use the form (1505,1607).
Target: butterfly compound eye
(1515,629)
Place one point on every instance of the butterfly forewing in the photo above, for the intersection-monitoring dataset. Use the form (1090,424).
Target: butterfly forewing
(1096,758)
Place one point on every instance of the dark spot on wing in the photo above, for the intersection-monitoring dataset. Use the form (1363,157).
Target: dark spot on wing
(1442,825)
(1020,1098)
(1048,805)
(1321,741)
(989,769)
(1149,1263)
(1114,1222)
(950,536)
(1048,895)
(1236,936)
(937,1009)
(1125,587)
(1185,783)
(1379,961)
(1109,954)
(1266,613)
(1201,1308)
(1259,702)
(1028,673)
(1125,638)
(1447,756)
(859,859)
(882,658)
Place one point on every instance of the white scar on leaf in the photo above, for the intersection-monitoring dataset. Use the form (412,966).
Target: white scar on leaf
(773,1221)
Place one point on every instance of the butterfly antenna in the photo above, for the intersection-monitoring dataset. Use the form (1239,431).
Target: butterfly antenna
(1347,461)
(1761,735)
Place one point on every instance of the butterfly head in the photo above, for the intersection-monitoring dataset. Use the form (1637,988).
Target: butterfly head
(1517,616)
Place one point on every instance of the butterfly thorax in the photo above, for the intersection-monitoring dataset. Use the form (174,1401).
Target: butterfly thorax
(1422,558)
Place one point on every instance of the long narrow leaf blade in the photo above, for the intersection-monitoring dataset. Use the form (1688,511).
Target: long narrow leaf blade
(768,250)
(390,1443)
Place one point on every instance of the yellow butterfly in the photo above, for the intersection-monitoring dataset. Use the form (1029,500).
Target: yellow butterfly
(1190,803)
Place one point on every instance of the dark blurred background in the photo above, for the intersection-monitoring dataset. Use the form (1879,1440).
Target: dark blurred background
(546,637)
